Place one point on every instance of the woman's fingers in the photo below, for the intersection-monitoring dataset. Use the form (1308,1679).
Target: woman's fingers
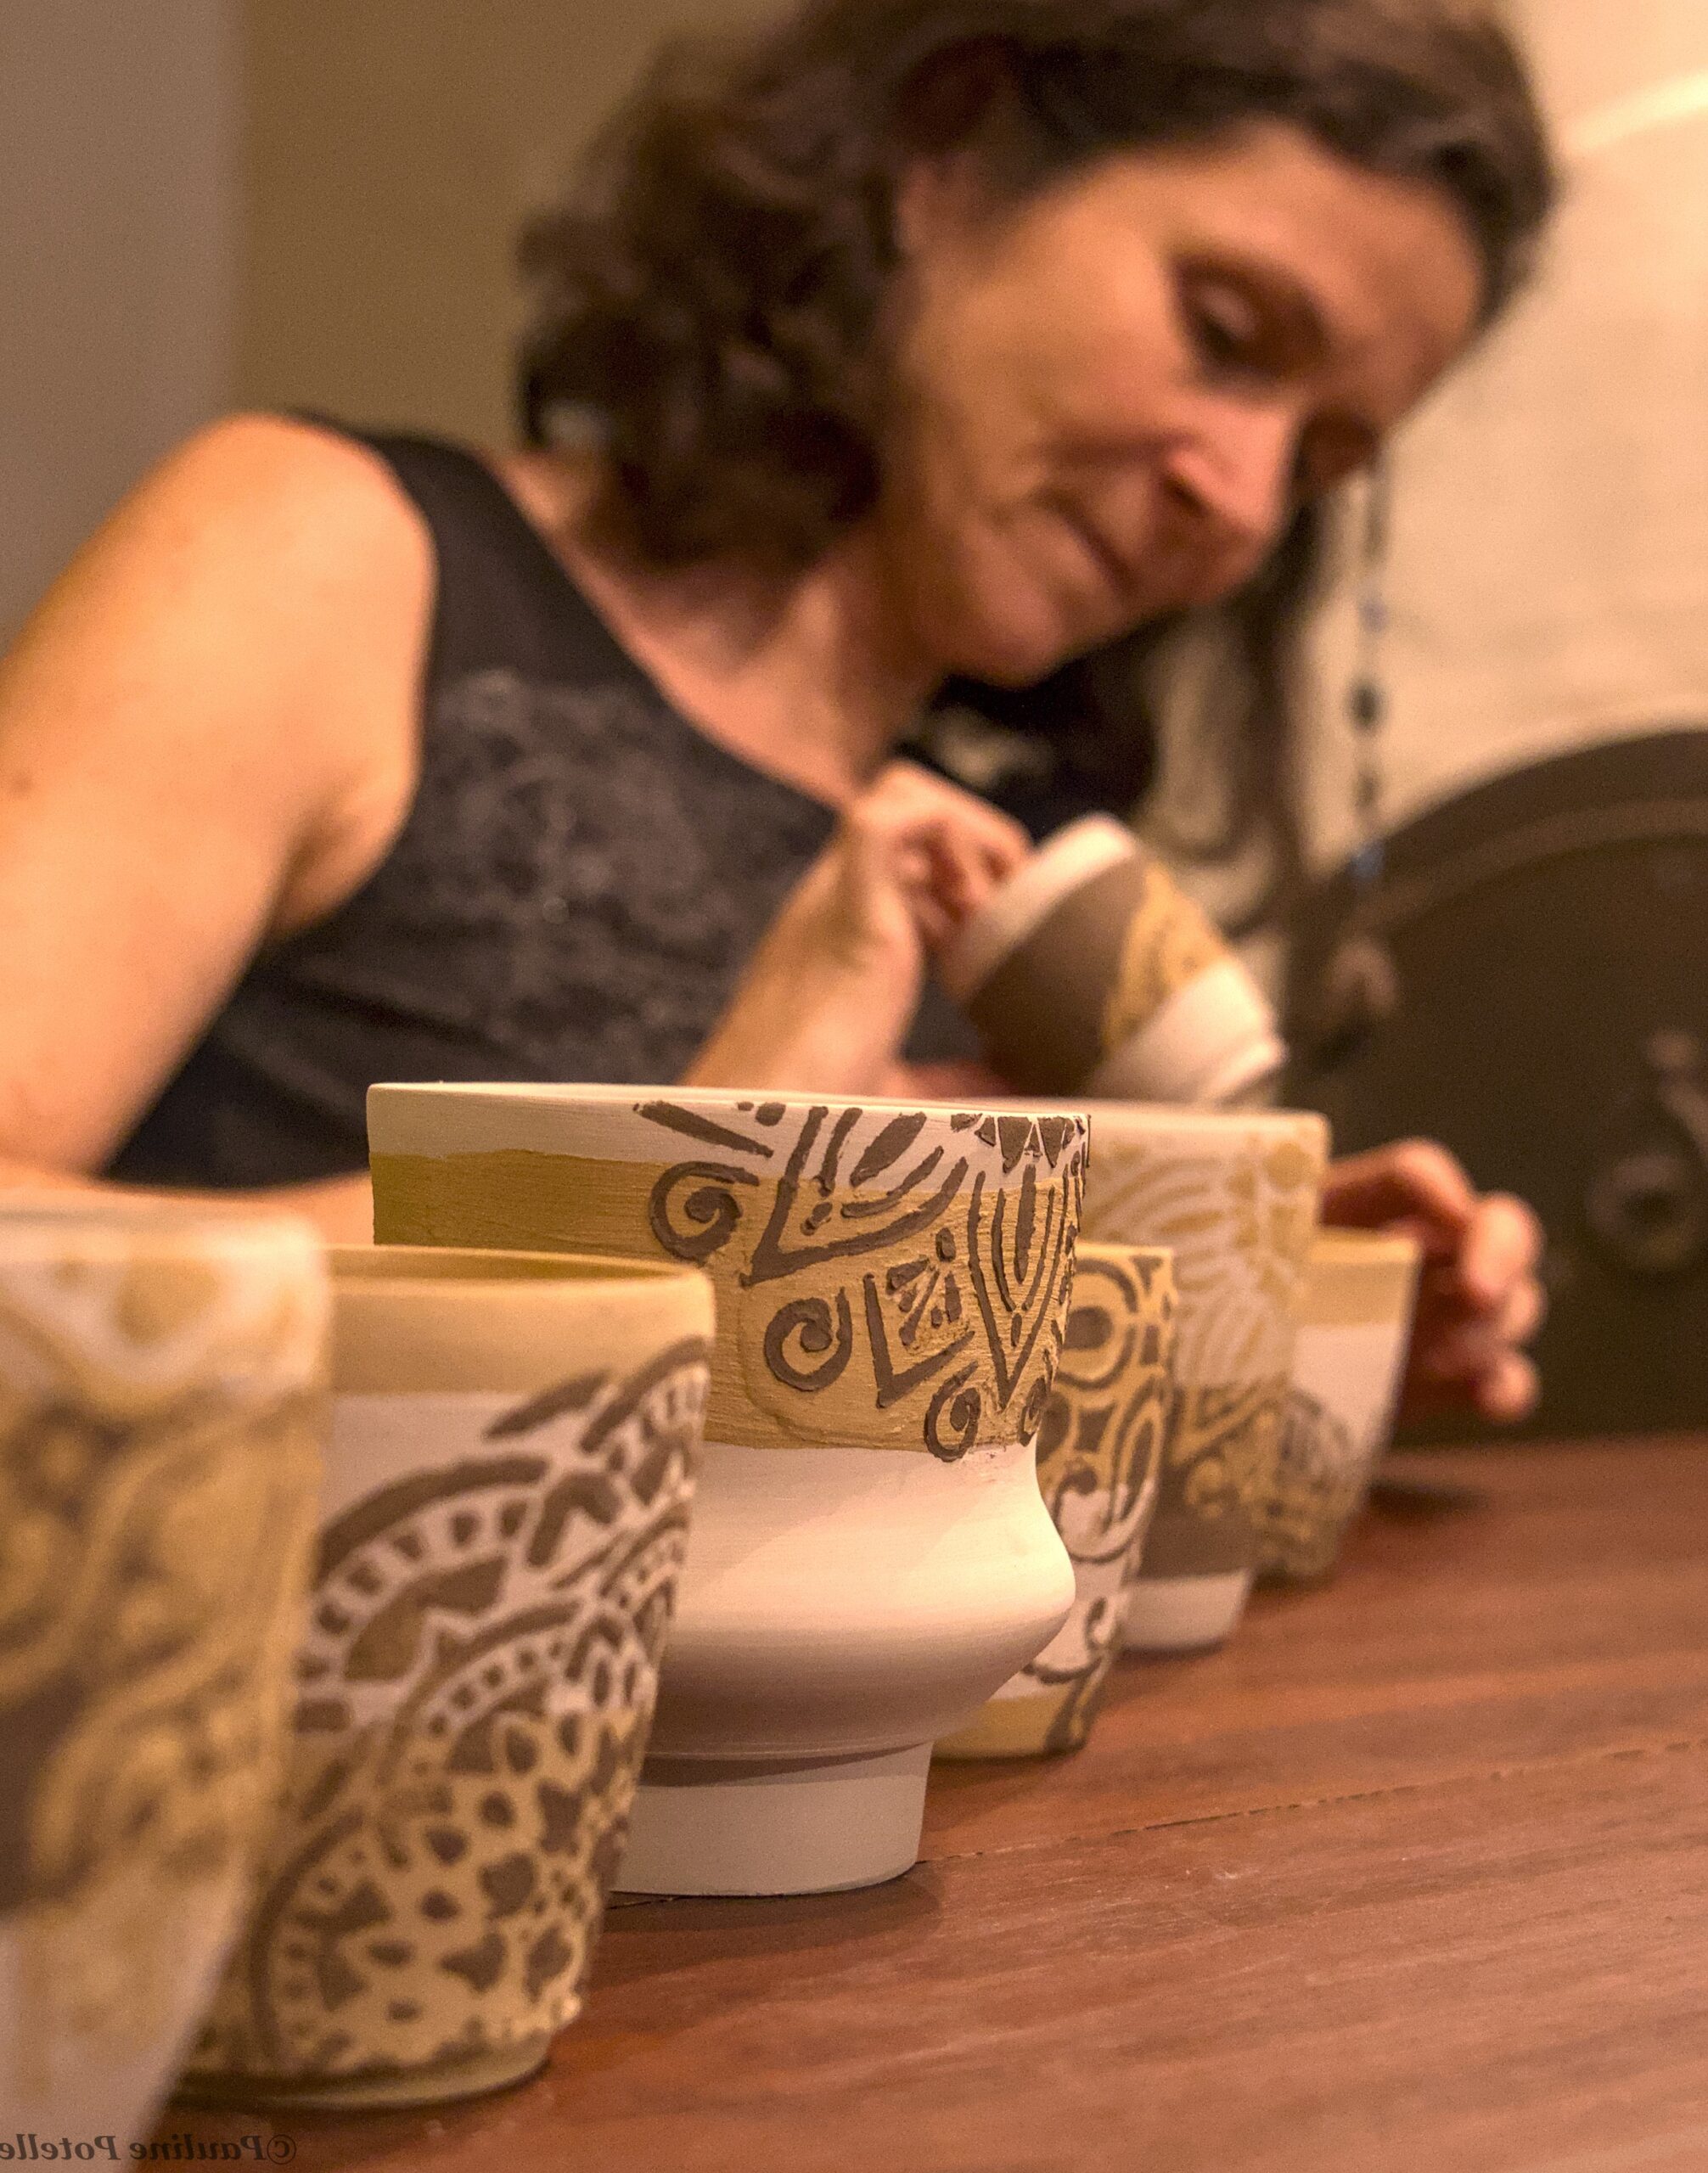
(1449,1345)
(1503,1393)
(1415,1181)
(950,1078)
(1524,1310)
(1508,1391)
(1501,1250)
(936,923)
(1462,1355)
(1478,1298)
(825,1001)
(963,868)
(949,860)
(912,797)
(903,852)
(1512,1316)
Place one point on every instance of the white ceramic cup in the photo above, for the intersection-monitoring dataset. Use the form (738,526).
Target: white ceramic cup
(872,1556)
(1099,1452)
(1235,1198)
(1354,1327)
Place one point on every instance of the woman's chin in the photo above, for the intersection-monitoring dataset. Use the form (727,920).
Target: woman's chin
(1018,646)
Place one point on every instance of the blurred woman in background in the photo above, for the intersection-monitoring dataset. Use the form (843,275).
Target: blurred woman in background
(903,346)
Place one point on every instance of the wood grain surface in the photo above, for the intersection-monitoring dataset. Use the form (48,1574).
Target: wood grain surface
(1412,1879)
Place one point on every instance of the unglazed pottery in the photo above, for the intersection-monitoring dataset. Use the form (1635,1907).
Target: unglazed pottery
(504,1516)
(162,1405)
(1092,972)
(1354,1326)
(1235,1199)
(872,1556)
(1099,1452)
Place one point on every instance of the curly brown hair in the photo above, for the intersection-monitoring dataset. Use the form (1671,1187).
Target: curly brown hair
(711,294)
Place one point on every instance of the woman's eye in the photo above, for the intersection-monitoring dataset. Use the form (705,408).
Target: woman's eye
(1227,331)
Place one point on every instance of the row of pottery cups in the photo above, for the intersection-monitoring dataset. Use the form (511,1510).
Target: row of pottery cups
(324,1717)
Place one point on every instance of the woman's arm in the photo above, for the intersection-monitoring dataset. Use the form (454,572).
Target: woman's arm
(341,1208)
(206,739)
(826,1002)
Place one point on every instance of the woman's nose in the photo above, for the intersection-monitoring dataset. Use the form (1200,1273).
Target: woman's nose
(1236,468)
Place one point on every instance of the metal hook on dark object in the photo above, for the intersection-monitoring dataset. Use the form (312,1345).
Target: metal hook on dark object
(1525,979)
(1356,994)
(1647,1202)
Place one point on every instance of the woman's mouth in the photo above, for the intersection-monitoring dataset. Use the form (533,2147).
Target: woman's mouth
(1115,573)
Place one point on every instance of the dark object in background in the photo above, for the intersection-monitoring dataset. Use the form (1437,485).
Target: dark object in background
(1529,984)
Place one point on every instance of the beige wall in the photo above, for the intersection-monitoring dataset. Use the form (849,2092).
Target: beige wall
(392,148)
(1550,565)
(117,160)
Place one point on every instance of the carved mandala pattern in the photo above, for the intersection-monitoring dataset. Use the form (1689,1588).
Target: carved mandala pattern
(160,1421)
(1169,941)
(1320,1475)
(883,1261)
(1238,1211)
(1239,1224)
(1100,1459)
(475,1689)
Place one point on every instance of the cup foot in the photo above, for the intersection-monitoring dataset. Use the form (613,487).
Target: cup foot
(774,1826)
(1312,1564)
(1183,1614)
(375,2090)
(1027,1726)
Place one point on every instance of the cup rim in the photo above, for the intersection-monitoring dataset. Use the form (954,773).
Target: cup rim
(31,1222)
(1089,1248)
(1336,1248)
(1065,862)
(465,1269)
(736,1099)
(1167,1116)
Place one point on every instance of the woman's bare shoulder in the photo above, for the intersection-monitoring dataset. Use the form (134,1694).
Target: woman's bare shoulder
(258,539)
(260,496)
(256,610)
(207,738)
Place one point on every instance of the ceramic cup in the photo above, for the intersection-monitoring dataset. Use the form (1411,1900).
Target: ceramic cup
(1092,972)
(1099,1456)
(872,1556)
(162,1405)
(1354,1325)
(503,1519)
(1235,1199)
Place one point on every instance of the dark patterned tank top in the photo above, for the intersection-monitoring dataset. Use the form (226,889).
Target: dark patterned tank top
(578,885)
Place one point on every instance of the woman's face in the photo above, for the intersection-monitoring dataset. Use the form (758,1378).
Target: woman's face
(1109,400)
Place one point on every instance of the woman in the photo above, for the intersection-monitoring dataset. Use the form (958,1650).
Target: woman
(911,342)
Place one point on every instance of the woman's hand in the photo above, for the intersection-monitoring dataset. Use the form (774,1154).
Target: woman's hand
(827,1001)
(1479,1299)
(945,1079)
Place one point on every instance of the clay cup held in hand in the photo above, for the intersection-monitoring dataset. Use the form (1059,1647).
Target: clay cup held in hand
(1091,972)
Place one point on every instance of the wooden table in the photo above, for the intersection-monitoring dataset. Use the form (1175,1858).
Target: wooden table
(1412,1879)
